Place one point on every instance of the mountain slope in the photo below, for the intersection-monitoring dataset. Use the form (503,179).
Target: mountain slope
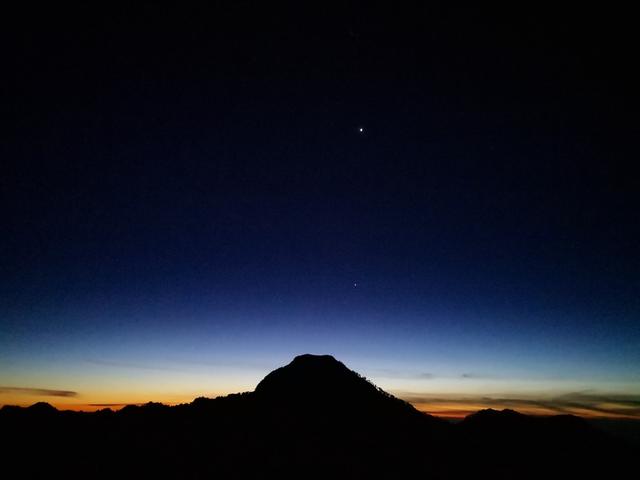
(323,384)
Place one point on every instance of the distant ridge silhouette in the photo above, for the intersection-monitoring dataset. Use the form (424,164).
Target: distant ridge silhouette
(311,418)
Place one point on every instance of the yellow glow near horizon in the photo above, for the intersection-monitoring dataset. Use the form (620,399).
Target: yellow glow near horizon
(446,408)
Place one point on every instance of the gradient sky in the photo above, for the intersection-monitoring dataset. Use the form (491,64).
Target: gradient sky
(440,198)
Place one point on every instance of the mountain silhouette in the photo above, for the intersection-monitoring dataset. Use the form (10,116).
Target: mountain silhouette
(329,388)
(316,376)
(311,418)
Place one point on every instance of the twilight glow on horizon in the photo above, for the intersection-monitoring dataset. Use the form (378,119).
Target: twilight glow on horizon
(455,221)
(88,370)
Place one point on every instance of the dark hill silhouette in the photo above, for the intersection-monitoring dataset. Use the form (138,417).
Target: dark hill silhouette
(43,408)
(507,440)
(316,376)
(311,418)
(316,380)
(327,387)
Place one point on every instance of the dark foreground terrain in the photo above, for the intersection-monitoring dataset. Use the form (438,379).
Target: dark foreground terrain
(311,418)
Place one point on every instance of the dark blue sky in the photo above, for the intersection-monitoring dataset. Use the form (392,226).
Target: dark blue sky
(176,183)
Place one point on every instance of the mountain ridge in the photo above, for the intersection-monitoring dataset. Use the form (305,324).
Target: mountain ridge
(311,416)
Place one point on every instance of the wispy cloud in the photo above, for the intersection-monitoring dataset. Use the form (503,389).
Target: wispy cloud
(175,365)
(46,392)
(430,376)
(386,373)
(118,364)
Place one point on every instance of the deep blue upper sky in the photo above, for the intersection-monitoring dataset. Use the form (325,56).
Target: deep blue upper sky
(204,171)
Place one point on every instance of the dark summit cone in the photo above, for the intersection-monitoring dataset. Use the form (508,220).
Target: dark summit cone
(323,384)
(319,375)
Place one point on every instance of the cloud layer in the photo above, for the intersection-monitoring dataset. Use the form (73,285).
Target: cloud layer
(579,403)
(39,391)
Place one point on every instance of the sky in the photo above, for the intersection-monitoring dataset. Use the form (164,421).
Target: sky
(441,197)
